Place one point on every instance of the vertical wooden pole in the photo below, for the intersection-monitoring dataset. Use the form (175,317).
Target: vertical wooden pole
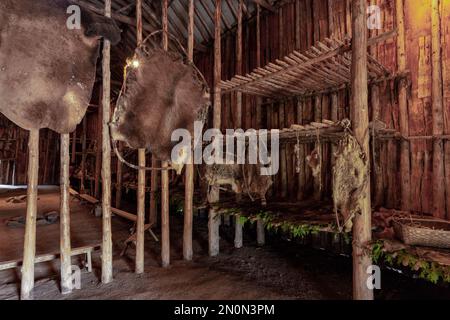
(98,155)
(29,249)
(189,181)
(362,232)
(238,232)
(297,25)
(74,147)
(65,248)
(378,177)
(140,223)
(83,155)
(214,218)
(119,179)
(318,182)
(302,174)
(438,116)
(165,228)
(107,268)
(403,110)
(260,228)
(153,219)
(258,63)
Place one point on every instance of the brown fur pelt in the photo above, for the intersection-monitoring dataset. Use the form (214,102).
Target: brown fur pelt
(163,94)
(349,178)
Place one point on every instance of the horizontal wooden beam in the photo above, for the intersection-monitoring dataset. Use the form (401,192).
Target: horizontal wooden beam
(265,4)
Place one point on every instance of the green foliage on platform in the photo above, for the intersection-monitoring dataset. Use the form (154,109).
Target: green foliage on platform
(428,270)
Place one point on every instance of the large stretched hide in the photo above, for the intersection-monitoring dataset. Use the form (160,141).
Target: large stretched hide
(161,94)
(47,71)
(349,179)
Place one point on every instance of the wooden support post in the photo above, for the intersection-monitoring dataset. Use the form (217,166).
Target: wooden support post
(377,170)
(140,223)
(302,155)
(74,147)
(335,118)
(98,155)
(260,233)
(261,239)
(29,249)
(438,114)
(119,179)
(405,173)
(65,248)
(153,219)
(238,232)
(318,182)
(214,195)
(362,233)
(189,181)
(107,268)
(165,228)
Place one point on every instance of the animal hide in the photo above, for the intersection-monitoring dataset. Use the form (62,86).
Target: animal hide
(47,71)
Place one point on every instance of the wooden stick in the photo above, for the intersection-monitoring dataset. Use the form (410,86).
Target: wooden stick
(405,164)
(238,232)
(29,250)
(98,154)
(362,232)
(107,268)
(214,194)
(141,173)
(74,147)
(189,182)
(302,174)
(153,219)
(65,247)
(378,177)
(165,228)
(438,115)
(83,155)
(318,182)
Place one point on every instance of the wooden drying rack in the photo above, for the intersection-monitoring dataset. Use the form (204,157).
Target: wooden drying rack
(324,66)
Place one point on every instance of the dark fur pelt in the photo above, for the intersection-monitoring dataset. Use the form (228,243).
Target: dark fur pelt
(162,95)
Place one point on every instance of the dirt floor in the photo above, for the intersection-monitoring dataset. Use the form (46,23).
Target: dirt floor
(280,270)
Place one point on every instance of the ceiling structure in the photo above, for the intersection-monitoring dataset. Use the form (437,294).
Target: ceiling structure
(124,13)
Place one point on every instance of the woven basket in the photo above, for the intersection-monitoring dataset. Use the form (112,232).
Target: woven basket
(429,233)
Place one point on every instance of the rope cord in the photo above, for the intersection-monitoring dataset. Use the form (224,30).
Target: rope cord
(200,78)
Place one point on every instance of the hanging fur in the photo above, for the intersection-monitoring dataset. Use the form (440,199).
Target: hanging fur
(349,178)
